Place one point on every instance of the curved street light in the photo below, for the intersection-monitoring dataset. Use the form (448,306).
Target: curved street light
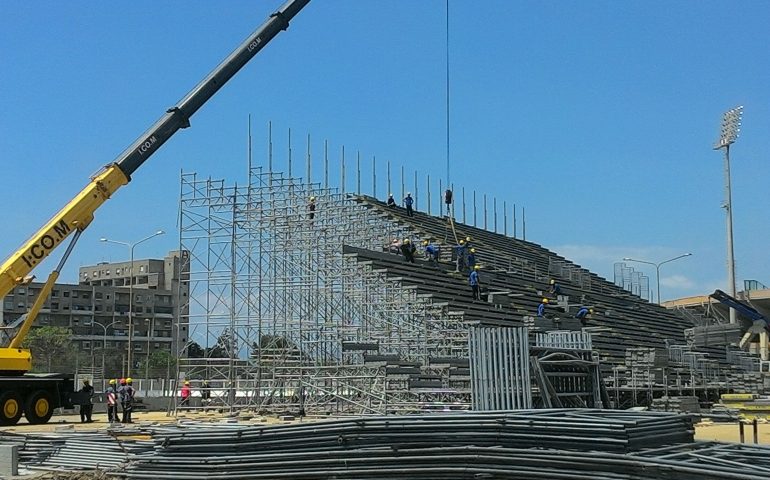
(657,267)
(104,342)
(131,246)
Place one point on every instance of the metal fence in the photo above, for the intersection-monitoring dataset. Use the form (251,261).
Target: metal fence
(499,361)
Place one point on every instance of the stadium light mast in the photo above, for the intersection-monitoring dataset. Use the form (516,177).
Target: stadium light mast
(731,127)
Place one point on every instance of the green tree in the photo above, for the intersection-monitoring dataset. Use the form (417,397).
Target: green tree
(160,364)
(226,343)
(51,346)
(194,350)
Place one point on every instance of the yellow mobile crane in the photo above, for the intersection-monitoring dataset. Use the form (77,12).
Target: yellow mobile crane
(36,396)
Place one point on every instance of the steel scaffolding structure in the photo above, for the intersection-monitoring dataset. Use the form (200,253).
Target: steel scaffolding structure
(290,322)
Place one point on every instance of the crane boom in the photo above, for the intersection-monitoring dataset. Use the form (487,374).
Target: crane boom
(79,212)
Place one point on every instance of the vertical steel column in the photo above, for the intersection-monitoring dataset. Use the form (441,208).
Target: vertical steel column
(374,176)
(358,172)
(485,211)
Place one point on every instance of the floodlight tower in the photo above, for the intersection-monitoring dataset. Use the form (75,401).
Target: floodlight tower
(731,127)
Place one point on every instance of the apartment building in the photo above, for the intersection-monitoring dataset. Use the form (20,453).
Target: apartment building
(97,309)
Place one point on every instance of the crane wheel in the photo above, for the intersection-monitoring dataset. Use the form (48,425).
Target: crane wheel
(10,408)
(38,407)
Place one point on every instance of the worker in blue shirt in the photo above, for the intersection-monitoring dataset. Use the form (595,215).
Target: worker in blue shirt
(408,202)
(541,308)
(473,279)
(471,258)
(431,251)
(555,288)
(460,256)
(582,315)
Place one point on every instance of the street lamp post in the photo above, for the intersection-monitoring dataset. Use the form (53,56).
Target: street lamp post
(150,324)
(131,247)
(657,267)
(731,126)
(104,342)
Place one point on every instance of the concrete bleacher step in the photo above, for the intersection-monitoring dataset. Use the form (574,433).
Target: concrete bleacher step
(522,267)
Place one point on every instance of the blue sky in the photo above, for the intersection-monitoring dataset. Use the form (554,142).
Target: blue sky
(598,117)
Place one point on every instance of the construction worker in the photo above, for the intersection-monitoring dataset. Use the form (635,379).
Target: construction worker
(408,249)
(408,202)
(473,279)
(460,256)
(205,394)
(541,307)
(311,208)
(112,401)
(582,315)
(432,251)
(126,394)
(391,201)
(185,403)
(555,288)
(394,246)
(471,258)
(87,406)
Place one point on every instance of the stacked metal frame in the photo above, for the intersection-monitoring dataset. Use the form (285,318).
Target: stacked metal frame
(289,322)
(499,363)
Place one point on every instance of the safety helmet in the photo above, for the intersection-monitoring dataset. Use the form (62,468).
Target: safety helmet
(476,267)
(591,310)
(129,380)
(473,250)
(553,281)
(408,193)
(462,242)
(112,381)
(424,242)
(390,194)
(467,239)
(312,199)
(545,300)
(186,382)
(406,240)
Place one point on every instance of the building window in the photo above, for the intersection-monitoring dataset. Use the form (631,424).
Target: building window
(66,294)
(54,305)
(99,295)
(141,268)
(8,305)
(21,291)
(107,272)
(86,344)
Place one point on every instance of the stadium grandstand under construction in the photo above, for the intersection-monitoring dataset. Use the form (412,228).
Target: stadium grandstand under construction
(312,312)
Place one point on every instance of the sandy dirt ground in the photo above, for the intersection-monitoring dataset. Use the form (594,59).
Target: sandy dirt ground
(729,432)
(72,422)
